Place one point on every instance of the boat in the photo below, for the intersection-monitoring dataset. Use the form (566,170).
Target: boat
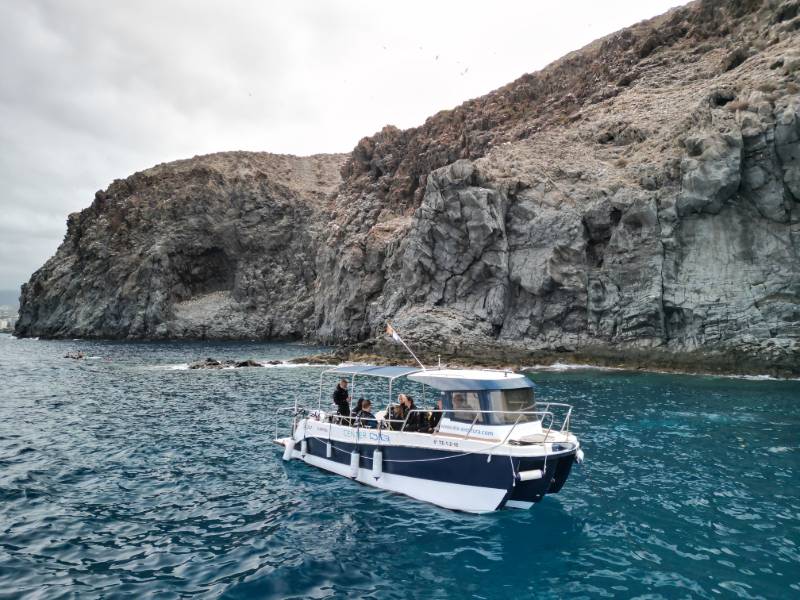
(489,445)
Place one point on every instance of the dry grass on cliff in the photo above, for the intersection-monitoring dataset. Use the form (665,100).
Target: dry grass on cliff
(636,82)
(308,176)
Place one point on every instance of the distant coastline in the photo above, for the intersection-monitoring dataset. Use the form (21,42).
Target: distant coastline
(9,299)
(9,310)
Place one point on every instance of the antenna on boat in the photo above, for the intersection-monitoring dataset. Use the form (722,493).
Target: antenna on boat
(390,331)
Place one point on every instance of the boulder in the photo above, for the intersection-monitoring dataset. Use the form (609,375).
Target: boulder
(248,363)
(208,363)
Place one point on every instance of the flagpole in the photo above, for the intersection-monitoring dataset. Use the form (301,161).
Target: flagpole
(410,351)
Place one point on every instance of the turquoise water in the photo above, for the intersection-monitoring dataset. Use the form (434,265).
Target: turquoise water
(123,476)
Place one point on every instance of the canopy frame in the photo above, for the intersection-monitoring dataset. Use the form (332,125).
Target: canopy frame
(466,384)
(390,373)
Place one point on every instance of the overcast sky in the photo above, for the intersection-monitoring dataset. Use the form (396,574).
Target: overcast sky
(91,91)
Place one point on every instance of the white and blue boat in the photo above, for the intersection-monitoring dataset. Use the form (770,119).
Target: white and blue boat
(490,446)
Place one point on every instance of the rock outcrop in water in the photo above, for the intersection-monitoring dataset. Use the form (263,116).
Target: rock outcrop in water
(637,200)
(212,363)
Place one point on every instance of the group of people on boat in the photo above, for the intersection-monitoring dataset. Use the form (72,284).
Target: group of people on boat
(404,415)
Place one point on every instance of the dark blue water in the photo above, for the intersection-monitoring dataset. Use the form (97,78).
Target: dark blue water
(122,477)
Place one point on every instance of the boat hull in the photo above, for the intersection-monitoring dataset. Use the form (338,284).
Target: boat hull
(555,471)
(472,482)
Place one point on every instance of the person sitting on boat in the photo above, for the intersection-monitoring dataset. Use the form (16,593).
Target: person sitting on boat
(461,410)
(359,406)
(364,417)
(410,414)
(434,417)
(341,398)
(394,414)
(399,412)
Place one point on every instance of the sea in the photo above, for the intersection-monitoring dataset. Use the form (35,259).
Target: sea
(127,475)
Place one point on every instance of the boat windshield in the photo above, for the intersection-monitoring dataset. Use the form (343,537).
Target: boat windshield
(467,407)
(512,400)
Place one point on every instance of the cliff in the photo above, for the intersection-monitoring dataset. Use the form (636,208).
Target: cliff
(220,246)
(637,200)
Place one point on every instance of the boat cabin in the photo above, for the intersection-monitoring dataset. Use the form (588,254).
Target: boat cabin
(486,397)
(471,398)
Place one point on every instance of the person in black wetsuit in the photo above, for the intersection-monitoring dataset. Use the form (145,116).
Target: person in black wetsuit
(364,417)
(341,398)
(409,409)
(398,412)
(394,414)
(434,417)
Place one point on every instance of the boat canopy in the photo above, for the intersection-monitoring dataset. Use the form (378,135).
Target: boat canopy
(373,371)
(390,373)
(464,380)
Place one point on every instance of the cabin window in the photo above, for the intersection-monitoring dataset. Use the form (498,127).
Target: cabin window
(512,401)
(466,406)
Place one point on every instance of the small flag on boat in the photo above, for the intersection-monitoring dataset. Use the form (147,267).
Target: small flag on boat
(390,331)
(396,337)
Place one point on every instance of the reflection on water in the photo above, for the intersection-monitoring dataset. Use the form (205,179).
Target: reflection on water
(120,476)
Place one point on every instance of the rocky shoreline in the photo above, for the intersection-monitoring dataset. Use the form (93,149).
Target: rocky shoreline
(636,202)
(697,364)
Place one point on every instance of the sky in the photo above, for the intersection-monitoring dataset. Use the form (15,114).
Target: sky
(92,91)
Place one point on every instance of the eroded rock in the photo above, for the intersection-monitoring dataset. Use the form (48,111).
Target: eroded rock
(711,172)
(212,363)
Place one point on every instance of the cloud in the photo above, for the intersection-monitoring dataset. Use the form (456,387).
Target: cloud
(92,91)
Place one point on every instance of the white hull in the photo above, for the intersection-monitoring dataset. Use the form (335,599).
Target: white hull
(454,496)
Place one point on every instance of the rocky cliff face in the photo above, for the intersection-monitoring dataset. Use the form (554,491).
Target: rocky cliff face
(220,246)
(638,199)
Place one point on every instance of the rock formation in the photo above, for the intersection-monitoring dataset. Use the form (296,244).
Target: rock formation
(638,199)
(214,364)
(219,246)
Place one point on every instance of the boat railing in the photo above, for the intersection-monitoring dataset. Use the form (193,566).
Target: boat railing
(566,408)
(288,411)
(546,417)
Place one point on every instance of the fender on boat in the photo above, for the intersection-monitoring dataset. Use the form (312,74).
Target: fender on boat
(355,458)
(377,464)
(529,475)
(288,448)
